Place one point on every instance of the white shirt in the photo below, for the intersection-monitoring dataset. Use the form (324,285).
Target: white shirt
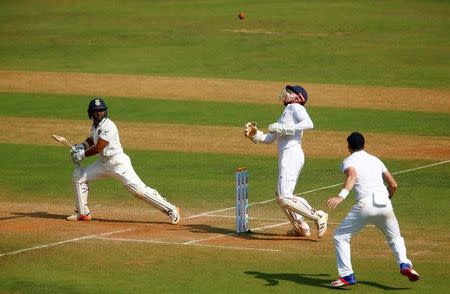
(107,131)
(294,114)
(369,170)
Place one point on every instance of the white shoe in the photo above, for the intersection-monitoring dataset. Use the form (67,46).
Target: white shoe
(79,217)
(175,216)
(321,223)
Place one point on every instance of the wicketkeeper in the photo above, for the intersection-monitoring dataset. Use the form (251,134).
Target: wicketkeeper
(104,141)
(288,131)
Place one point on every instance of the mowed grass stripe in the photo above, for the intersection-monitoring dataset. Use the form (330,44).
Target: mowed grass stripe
(219,139)
(209,113)
(222,90)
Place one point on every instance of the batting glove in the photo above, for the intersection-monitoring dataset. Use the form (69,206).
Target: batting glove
(78,146)
(78,155)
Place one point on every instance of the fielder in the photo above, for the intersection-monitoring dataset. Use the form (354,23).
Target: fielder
(366,173)
(288,131)
(104,140)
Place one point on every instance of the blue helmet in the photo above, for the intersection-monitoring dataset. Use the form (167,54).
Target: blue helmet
(95,105)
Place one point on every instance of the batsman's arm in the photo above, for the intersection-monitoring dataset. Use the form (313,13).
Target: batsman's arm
(88,142)
(97,148)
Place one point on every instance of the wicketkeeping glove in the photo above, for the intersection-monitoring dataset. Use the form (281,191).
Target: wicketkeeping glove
(250,130)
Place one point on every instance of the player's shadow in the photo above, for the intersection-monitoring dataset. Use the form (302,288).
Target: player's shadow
(273,279)
(204,228)
(45,214)
(38,214)
(253,235)
(315,280)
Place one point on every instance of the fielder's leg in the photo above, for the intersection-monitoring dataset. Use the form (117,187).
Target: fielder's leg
(352,223)
(389,225)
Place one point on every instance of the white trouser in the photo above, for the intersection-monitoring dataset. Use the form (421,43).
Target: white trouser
(363,213)
(290,164)
(120,168)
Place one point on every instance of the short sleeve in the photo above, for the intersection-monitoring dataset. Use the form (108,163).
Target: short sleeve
(106,132)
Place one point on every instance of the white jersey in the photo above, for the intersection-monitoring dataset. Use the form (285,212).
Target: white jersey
(107,131)
(369,169)
(294,114)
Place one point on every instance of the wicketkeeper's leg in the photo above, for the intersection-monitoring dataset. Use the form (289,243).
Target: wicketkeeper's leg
(298,222)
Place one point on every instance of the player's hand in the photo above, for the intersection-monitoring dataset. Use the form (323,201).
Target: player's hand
(333,202)
(250,130)
(78,146)
(77,155)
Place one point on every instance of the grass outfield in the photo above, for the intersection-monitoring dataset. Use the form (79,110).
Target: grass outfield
(224,114)
(130,247)
(393,43)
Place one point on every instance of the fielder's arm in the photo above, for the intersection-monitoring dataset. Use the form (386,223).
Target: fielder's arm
(349,183)
(391,183)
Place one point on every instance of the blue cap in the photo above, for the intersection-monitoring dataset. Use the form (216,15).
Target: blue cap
(299,90)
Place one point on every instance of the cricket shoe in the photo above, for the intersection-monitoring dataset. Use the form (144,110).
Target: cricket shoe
(344,281)
(300,231)
(79,217)
(407,270)
(174,216)
(321,223)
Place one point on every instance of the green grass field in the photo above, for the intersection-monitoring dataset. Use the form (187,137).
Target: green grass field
(130,247)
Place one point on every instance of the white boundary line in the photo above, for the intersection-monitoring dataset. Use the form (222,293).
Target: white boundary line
(310,191)
(210,213)
(189,244)
(65,241)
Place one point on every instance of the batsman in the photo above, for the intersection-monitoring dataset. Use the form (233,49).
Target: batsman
(288,131)
(113,162)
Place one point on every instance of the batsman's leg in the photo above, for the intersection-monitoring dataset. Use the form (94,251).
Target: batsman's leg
(80,179)
(122,170)
(152,197)
(81,189)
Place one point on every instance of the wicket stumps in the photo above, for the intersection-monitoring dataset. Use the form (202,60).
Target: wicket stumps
(242,200)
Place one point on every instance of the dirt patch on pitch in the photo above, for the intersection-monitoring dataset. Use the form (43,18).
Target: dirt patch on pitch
(222,140)
(32,227)
(206,89)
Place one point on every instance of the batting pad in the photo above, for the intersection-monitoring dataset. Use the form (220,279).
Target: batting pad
(152,197)
(301,206)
